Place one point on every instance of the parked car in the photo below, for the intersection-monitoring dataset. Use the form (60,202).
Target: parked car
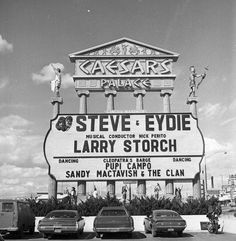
(164,221)
(16,217)
(113,220)
(61,222)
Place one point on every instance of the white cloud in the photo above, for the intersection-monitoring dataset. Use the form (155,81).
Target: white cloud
(228,121)
(212,110)
(13,121)
(19,182)
(46,74)
(3,83)
(232,106)
(67,81)
(212,148)
(17,144)
(13,105)
(10,181)
(220,161)
(5,46)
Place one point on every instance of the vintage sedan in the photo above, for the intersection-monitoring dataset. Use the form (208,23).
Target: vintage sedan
(113,220)
(61,222)
(164,221)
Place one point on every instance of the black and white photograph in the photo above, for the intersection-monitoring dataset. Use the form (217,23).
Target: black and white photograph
(117,120)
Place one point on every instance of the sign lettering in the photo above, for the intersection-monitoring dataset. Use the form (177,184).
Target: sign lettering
(123,146)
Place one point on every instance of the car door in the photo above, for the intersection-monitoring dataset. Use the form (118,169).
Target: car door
(7,212)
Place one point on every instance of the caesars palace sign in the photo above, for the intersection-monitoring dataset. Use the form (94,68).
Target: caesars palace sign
(123,146)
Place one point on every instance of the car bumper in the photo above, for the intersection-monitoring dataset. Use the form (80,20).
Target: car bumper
(114,230)
(8,230)
(169,229)
(58,230)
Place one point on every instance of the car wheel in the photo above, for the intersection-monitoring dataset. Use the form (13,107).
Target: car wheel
(79,233)
(98,235)
(154,233)
(31,230)
(180,233)
(19,233)
(146,230)
(45,235)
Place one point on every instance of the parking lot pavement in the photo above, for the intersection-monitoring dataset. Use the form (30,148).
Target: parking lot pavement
(191,236)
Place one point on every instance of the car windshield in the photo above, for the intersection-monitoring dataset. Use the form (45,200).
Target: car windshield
(61,215)
(165,214)
(113,213)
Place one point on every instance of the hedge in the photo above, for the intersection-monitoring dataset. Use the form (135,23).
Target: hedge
(137,206)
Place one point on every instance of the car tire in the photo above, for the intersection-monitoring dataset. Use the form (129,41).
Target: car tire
(79,233)
(154,233)
(19,233)
(180,233)
(146,230)
(31,230)
(45,235)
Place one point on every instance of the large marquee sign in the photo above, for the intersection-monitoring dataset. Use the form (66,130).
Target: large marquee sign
(124,65)
(123,146)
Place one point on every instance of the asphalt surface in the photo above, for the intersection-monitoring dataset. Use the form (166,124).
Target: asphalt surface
(199,236)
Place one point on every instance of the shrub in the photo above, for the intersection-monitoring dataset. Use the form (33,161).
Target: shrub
(137,206)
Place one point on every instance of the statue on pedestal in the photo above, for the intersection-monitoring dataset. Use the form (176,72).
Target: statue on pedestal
(56,82)
(192,80)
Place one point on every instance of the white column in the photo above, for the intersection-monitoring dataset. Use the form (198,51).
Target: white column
(81,185)
(52,182)
(165,94)
(110,94)
(192,102)
(83,101)
(139,94)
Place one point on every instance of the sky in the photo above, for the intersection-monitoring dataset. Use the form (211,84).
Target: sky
(36,33)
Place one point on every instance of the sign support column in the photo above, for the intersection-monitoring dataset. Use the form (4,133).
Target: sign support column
(52,183)
(83,101)
(165,94)
(139,94)
(192,102)
(110,94)
(81,185)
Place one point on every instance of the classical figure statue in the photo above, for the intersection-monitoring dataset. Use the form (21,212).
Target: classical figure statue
(192,80)
(56,82)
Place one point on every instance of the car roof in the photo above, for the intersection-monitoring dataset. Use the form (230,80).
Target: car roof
(64,210)
(114,207)
(164,211)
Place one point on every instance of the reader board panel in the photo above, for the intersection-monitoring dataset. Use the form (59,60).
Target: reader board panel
(124,146)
